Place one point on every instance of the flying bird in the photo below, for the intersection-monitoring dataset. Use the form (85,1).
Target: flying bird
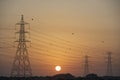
(72,33)
(102,41)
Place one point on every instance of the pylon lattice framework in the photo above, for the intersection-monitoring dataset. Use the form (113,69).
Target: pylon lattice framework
(86,66)
(21,64)
(109,64)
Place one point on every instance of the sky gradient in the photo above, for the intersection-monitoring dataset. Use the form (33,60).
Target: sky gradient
(62,32)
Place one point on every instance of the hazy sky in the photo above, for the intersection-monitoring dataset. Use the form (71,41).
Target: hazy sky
(62,32)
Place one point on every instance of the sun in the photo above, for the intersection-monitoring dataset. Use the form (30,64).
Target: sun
(58,68)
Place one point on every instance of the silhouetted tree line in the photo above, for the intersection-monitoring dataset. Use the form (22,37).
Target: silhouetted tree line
(63,77)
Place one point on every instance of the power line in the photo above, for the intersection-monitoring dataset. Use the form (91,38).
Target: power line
(77,48)
(59,46)
(69,43)
(56,56)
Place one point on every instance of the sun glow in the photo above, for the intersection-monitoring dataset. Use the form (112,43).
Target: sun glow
(58,68)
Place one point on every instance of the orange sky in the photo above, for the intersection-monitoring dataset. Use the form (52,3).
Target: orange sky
(61,33)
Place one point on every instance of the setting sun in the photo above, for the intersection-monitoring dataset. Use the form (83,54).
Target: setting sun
(58,68)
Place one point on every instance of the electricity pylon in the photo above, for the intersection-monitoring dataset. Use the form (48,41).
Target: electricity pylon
(21,64)
(109,64)
(86,66)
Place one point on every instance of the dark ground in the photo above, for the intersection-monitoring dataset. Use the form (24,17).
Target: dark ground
(63,77)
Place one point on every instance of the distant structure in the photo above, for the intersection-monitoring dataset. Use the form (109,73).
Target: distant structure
(21,64)
(109,64)
(86,66)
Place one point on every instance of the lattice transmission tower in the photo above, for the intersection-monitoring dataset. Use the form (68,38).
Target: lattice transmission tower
(109,64)
(86,65)
(21,64)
